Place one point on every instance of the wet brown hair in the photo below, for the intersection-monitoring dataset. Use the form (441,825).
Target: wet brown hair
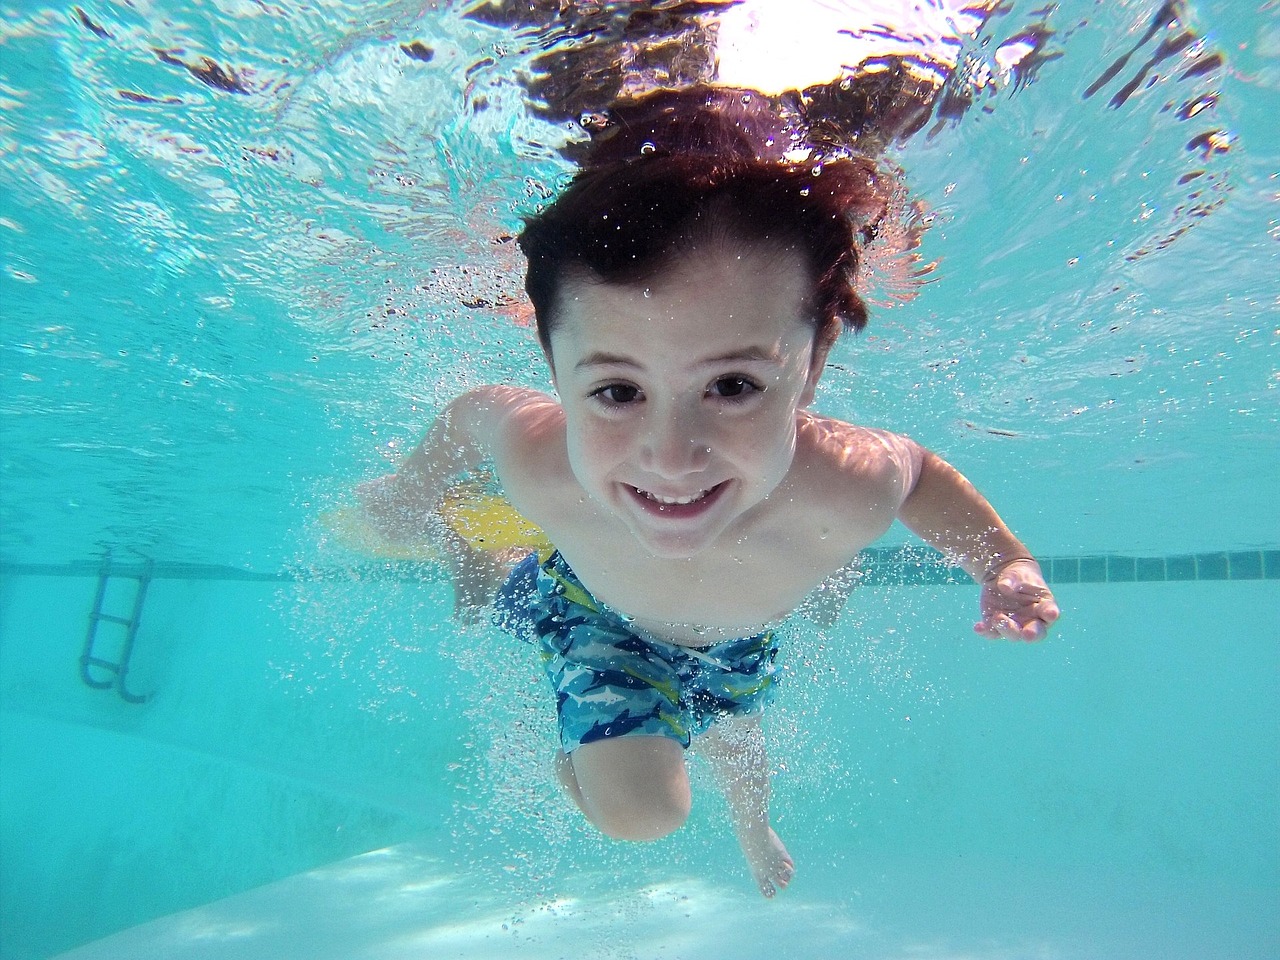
(678,169)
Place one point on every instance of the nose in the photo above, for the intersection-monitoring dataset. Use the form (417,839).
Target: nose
(674,445)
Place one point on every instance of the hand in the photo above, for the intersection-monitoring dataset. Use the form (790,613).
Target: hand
(393,515)
(1016,604)
(377,492)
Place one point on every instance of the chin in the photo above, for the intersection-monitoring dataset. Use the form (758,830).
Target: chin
(668,548)
(673,544)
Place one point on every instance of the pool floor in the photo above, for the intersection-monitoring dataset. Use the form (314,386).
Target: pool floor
(406,902)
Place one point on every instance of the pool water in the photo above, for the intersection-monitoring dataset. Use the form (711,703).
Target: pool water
(230,294)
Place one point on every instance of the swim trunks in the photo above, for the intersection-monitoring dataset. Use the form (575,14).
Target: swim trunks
(611,682)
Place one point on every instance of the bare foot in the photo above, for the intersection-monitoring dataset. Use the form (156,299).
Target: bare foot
(768,859)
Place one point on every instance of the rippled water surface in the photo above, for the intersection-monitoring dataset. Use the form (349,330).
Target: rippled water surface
(249,248)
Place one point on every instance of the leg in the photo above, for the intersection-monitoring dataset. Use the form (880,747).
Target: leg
(734,747)
(631,788)
(621,697)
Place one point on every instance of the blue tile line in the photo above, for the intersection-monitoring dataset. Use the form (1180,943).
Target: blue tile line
(880,566)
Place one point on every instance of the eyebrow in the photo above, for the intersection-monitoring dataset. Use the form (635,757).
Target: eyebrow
(746,355)
(600,359)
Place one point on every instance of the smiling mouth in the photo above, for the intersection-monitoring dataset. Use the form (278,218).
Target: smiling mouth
(686,506)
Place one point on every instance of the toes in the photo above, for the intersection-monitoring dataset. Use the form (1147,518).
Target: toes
(778,880)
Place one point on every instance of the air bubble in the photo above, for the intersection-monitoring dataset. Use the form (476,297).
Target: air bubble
(647,148)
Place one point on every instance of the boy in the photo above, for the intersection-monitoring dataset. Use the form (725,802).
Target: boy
(686,303)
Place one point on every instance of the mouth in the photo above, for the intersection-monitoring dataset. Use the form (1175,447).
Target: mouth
(689,505)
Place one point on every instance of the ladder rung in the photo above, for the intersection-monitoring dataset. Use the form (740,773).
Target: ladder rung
(123,621)
(104,664)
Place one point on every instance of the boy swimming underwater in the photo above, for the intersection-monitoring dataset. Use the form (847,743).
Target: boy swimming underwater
(686,304)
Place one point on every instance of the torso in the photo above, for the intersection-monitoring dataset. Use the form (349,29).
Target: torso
(841,494)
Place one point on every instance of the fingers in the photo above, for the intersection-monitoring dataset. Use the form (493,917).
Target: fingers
(1024,608)
(1004,627)
(1033,631)
(1012,585)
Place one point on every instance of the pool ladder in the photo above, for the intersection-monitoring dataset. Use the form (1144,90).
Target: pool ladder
(89,662)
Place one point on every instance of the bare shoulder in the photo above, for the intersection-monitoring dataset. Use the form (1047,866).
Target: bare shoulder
(526,418)
(502,415)
(499,401)
(854,463)
(528,446)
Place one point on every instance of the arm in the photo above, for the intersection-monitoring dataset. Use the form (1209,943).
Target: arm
(945,510)
(402,505)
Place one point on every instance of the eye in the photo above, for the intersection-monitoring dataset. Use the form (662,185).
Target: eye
(617,394)
(734,387)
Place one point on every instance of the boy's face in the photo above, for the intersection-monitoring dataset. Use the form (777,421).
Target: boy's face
(681,397)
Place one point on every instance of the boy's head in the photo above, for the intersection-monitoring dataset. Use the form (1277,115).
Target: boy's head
(687,288)
(629,222)
(686,306)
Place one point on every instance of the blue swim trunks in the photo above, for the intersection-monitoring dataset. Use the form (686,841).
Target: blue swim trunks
(609,681)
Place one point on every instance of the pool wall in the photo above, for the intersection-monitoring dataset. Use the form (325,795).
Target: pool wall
(1138,749)
(228,776)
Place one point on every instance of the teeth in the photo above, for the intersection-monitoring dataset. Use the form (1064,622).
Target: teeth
(672,501)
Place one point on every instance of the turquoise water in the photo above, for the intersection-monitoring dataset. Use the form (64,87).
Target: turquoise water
(222,309)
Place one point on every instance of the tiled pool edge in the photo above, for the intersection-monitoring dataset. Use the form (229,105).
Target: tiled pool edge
(1116,568)
(916,566)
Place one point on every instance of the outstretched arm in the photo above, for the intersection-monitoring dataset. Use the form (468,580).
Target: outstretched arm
(946,511)
(402,505)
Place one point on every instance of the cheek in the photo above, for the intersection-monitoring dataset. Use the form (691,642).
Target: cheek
(765,447)
(594,446)
(762,435)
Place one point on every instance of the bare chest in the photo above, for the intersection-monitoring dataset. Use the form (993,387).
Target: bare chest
(716,595)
